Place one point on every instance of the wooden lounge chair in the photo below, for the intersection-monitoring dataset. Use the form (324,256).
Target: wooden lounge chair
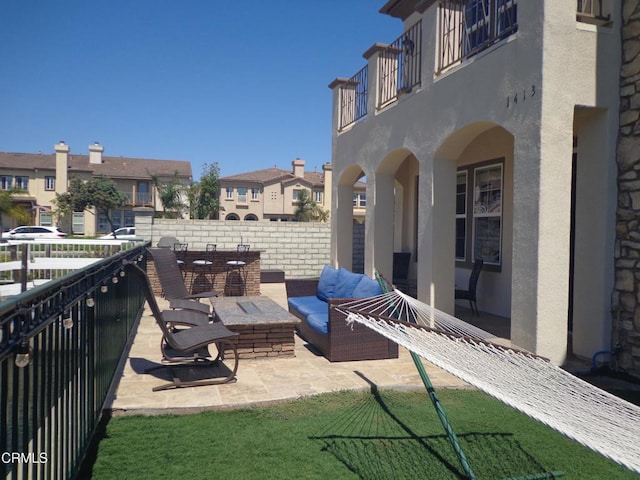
(186,336)
(172,281)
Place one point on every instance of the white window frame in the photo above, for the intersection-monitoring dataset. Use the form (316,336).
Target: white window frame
(359,200)
(6,182)
(487,204)
(229,191)
(462,215)
(49,183)
(46,219)
(242,194)
(77,223)
(21,182)
(255,194)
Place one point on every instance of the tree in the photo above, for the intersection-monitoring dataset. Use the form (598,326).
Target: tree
(308,210)
(10,209)
(100,193)
(203,195)
(171,195)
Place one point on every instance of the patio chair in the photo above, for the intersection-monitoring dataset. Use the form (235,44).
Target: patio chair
(179,248)
(172,282)
(236,273)
(202,267)
(470,293)
(188,347)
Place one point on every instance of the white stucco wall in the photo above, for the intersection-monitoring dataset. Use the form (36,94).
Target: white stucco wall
(552,65)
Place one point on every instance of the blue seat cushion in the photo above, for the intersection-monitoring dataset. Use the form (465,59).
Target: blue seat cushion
(319,322)
(367,287)
(308,305)
(327,283)
(347,282)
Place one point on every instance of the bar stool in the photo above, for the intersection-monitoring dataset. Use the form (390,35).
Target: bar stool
(204,266)
(180,249)
(236,268)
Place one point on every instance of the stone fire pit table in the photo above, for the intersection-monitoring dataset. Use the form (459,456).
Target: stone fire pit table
(266,329)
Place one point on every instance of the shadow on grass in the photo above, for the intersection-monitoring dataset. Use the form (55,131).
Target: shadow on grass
(374,443)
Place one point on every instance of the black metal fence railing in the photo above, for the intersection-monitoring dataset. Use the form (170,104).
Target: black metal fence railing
(353,98)
(467,28)
(399,69)
(60,347)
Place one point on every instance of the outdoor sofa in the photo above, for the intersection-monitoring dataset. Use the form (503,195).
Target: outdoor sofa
(313,302)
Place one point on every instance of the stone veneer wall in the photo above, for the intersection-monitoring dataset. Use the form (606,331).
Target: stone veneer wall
(300,249)
(626,295)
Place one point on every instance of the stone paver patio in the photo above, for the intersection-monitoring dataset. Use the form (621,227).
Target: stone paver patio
(259,381)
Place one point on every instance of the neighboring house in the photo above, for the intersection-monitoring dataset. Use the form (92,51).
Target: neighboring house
(44,175)
(272,194)
(488,129)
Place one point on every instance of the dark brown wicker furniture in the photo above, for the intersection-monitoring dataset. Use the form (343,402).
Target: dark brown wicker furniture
(172,281)
(344,342)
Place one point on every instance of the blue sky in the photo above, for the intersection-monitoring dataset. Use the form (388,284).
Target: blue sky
(240,83)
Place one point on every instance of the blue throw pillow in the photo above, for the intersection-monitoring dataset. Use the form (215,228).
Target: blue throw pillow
(327,283)
(367,287)
(347,281)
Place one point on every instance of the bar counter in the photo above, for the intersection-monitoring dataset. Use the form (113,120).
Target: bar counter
(204,281)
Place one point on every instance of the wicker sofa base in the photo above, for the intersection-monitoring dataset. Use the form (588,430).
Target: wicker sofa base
(343,343)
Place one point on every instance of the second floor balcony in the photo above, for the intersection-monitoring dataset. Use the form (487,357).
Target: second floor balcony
(461,30)
(464,28)
(139,198)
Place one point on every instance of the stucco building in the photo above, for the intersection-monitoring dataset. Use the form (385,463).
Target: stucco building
(271,194)
(488,129)
(41,176)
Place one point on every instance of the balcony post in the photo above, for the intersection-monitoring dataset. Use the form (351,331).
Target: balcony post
(373,58)
(337,85)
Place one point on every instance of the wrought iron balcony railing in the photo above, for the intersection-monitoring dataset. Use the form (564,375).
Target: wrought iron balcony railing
(353,99)
(398,71)
(399,68)
(468,27)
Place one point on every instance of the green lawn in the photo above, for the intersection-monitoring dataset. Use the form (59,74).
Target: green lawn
(346,435)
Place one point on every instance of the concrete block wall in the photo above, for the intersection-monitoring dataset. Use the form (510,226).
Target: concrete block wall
(300,249)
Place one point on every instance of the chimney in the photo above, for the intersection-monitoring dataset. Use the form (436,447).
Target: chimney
(95,153)
(62,166)
(298,167)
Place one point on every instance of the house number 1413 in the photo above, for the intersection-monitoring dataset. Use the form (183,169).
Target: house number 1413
(512,100)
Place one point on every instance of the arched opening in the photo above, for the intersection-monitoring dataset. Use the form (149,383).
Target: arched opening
(395,219)
(251,217)
(473,217)
(232,216)
(349,214)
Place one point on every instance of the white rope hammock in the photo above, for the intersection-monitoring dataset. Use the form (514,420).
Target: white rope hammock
(531,384)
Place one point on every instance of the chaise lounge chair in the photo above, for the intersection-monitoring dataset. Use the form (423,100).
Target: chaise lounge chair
(172,282)
(188,347)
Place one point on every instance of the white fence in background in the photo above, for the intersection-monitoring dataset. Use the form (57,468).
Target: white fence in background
(27,263)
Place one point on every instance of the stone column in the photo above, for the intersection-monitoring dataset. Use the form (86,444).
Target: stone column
(626,294)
